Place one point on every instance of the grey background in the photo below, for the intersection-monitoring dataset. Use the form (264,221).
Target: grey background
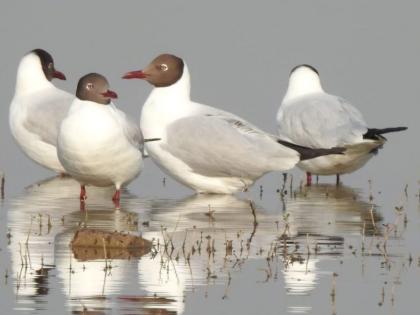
(239,54)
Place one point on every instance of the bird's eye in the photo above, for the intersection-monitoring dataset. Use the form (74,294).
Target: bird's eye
(163,67)
(89,86)
(50,65)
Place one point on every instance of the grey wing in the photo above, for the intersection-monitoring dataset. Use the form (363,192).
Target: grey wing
(322,121)
(131,130)
(45,114)
(223,146)
(134,134)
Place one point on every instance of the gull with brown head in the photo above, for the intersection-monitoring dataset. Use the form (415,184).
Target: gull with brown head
(97,144)
(203,147)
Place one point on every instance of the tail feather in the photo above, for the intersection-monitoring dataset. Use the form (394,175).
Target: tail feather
(309,153)
(374,133)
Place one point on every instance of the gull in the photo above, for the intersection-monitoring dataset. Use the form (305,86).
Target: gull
(310,117)
(97,144)
(38,108)
(202,147)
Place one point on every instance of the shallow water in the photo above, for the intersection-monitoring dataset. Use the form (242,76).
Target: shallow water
(320,243)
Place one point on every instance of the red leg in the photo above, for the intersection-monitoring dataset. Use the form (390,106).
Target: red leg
(83,195)
(82,206)
(116,198)
(308,179)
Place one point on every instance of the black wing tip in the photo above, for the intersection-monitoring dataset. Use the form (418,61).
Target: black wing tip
(336,150)
(394,129)
(310,153)
(314,153)
(375,133)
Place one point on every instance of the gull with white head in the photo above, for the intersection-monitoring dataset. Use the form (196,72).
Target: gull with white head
(310,117)
(38,108)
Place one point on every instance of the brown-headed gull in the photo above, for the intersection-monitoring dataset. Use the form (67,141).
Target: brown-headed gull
(205,148)
(310,117)
(97,144)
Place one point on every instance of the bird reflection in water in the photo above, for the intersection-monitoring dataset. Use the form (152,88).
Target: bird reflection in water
(199,241)
(320,218)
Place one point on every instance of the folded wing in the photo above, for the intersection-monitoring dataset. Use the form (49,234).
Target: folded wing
(321,121)
(218,145)
(45,113)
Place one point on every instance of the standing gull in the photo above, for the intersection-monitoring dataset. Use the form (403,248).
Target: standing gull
(207,149)
(97,144)
(38,108)
(310,117)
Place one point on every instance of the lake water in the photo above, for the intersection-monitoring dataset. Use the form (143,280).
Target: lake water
(320,250)
(352,249)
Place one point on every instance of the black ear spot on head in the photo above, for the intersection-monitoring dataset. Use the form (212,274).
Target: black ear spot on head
(304,65)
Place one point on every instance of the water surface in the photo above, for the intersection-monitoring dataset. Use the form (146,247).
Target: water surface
(320,242)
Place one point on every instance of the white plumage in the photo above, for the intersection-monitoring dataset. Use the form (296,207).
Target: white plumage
(207,149)
(308,116)
(36,111)
(97,145)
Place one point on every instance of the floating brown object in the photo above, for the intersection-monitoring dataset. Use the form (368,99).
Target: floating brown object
(89,244)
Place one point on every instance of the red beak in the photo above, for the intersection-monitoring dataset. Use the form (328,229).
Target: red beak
(59,75)
(110,94)
(139,74)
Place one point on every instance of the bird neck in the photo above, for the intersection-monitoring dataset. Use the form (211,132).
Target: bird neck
(30,76)
(301,84)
